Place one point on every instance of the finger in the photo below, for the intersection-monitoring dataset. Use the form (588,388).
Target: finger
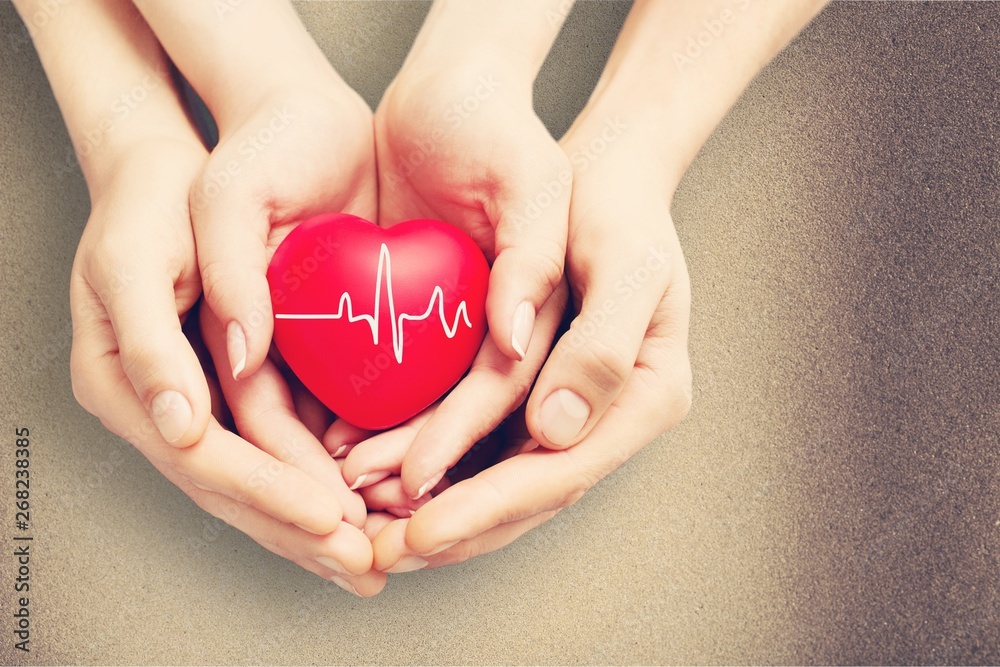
(220,461)
(231,227)
(392,554)
(341,437)
(343,557)
(621,285)
(192,331)
(264,413)
(494,387)
(139,298)
(376,458)
(388,496)
(531,225)
(544,480)
(376,522)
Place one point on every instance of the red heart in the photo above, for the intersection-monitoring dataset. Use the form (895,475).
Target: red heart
(378,323)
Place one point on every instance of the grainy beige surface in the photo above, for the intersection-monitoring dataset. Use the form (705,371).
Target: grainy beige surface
(833,496)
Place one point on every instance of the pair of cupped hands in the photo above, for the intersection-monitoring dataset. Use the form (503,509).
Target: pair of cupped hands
(580,226)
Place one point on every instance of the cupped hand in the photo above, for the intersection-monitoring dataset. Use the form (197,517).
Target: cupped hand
(625,352)
(134,280)
(463,144)
(300,151)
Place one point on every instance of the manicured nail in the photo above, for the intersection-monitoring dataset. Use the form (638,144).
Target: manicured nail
(563,415)
(331,563)
(524,323)
(408,564)
(237,348)
(172,415)
(358,482)
(346,585)
(401,512)
(431,483)
(340,450)
(447,545)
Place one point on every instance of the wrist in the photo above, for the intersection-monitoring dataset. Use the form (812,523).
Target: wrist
(620,137)
(515,33)
(123,156)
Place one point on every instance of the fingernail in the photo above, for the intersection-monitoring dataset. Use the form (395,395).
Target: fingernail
(346,585)
(447,545)
(524,322)
(430,484)
(401,512)
(563,415)
(340,450)
(237,348)
(308,530)
(331,563)
(529,446)
(172,415)
(358,482)
(407,564)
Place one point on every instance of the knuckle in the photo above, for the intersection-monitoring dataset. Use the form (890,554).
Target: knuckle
(542,265)
(141,364)
(679,397)
(573,493)
(581,479)
(684,398)
(214,282)
(548,267)
(80,381)
(106,247)
(466,550)
(604,363)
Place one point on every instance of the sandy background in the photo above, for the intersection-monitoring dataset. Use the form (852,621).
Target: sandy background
(833,496)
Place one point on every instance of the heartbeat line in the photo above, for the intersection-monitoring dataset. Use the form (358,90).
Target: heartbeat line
(385,268)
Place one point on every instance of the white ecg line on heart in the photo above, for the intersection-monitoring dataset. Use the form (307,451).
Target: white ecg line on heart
(385,262)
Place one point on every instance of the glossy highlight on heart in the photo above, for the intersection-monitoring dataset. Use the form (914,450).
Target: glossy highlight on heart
(378,323)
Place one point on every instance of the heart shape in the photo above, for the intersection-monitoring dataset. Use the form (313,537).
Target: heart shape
(378,323)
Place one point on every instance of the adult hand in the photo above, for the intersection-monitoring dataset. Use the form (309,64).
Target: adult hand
(463,144)
(134,279)
(631,293)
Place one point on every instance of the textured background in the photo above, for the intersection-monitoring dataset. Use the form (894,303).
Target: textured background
(833,496)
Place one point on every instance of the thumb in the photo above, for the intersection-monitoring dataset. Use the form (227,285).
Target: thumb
(530,251)
(591,363)
(231,230)
(156,356)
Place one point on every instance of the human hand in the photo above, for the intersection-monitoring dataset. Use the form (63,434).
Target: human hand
(134,279)
(283,421)
(631,325)
(300,152)
(481,167)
